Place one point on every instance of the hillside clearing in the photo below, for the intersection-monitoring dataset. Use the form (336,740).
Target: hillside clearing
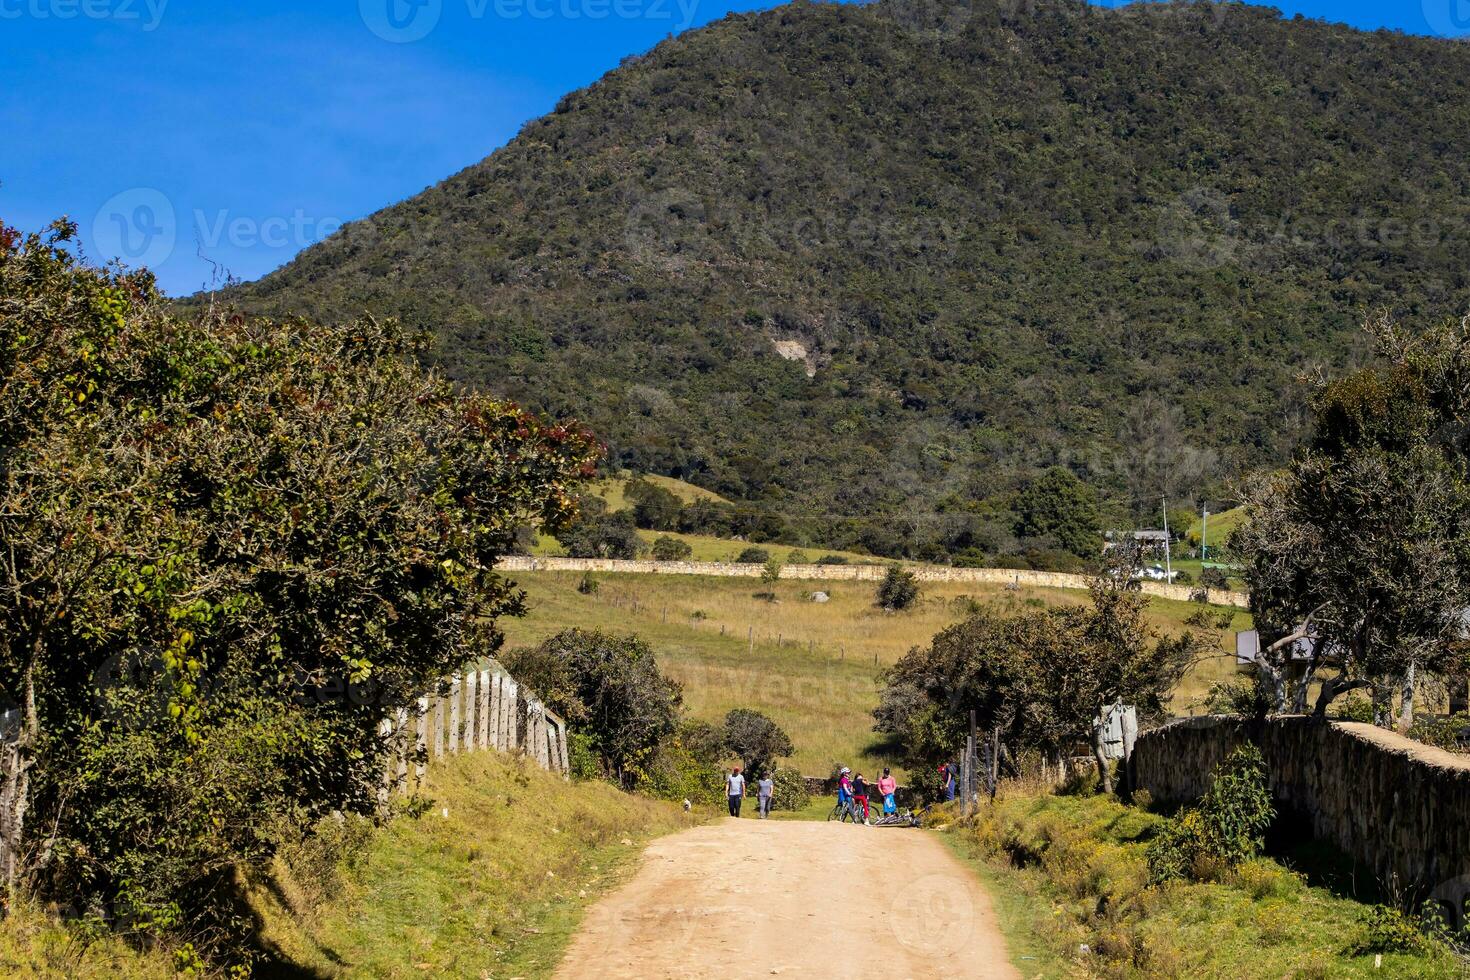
(814,667)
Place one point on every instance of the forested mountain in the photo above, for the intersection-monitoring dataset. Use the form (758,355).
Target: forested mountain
(996,237)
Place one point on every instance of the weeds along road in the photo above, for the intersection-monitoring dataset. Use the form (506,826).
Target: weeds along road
(752,898)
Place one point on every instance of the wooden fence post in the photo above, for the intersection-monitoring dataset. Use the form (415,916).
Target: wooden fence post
(390,764)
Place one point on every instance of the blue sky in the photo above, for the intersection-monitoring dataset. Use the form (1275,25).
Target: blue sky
(243,132)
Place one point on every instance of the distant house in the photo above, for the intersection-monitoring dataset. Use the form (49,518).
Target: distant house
(1147,542)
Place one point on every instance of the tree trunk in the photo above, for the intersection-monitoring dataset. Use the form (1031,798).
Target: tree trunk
(15,792)
(1100,754)
(1382,703)
(1406,705)
(1299,702)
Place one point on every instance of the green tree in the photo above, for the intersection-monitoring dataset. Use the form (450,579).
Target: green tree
(613,535)
(231,547)
(898,590)
(753,556)
(756,740)
(612,687)
(666,548)
(1058,505)
(771,573)
(1359,549)
(1038,677)
(653,507)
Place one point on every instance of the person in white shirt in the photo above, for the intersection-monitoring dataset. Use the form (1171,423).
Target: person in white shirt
(735,790)
(765,789)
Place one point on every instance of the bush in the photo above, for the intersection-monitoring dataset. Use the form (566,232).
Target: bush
(798,557)
(899,589)
(588,584)
(1387,930)
(605,536)
(754,556)
(654,507)
(666,548)
(1228,826)
(1214,578)
(831,560)
(1451,734)
(790,790)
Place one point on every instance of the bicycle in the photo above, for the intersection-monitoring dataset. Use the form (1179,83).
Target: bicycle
(846,810)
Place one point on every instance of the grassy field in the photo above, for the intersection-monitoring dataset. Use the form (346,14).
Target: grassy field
(1070,884)
(814,667)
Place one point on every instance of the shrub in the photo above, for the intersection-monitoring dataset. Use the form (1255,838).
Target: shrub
(1387,930)
(831,560)
(754,556)
(790,791)
(1214,578)
(1451,734)
(1227,827)
(654,507)
(588,584)
(666,548)
(797,557)
(1355,709)
(899,589)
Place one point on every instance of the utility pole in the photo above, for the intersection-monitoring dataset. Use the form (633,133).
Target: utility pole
(1204,535)
(1168,559)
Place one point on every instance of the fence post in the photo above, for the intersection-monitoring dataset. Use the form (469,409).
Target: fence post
(421,747)
(441,725)
(484,729)
(497,711)
(470,700)
(385,732)
(513,715)
(400,752)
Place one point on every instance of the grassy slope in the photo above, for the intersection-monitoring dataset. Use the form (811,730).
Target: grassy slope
(1221,525)
(820,683)
(1264,923)
(495,888)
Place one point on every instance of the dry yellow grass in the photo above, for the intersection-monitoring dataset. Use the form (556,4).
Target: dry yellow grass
(814,667)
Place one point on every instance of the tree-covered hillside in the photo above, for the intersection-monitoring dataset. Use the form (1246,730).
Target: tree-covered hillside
(996,238)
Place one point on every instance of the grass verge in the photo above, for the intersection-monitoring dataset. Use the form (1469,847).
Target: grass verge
(492,879)
(1070,881)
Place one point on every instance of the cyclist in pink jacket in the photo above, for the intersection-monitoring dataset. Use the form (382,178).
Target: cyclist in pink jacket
(887,788)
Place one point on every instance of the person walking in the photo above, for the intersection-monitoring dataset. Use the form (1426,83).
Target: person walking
(888,789)
(765,789)
(946,780)
(735,790)
(860,794)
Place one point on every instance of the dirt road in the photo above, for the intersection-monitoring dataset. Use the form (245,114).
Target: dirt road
(751,898)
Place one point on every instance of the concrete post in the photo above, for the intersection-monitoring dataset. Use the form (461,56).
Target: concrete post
(385,732)
(400,752)
(441,726)
(484,730)
(513,712)
(471,701)
(421,743)
(455,695)
(497,712)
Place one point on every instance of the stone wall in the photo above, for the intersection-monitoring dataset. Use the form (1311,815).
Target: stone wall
(850,573)
(1400,807)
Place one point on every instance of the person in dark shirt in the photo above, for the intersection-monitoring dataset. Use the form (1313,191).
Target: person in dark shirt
(860,794)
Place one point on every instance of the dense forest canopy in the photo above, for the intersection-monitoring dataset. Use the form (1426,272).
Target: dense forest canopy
(988,239)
